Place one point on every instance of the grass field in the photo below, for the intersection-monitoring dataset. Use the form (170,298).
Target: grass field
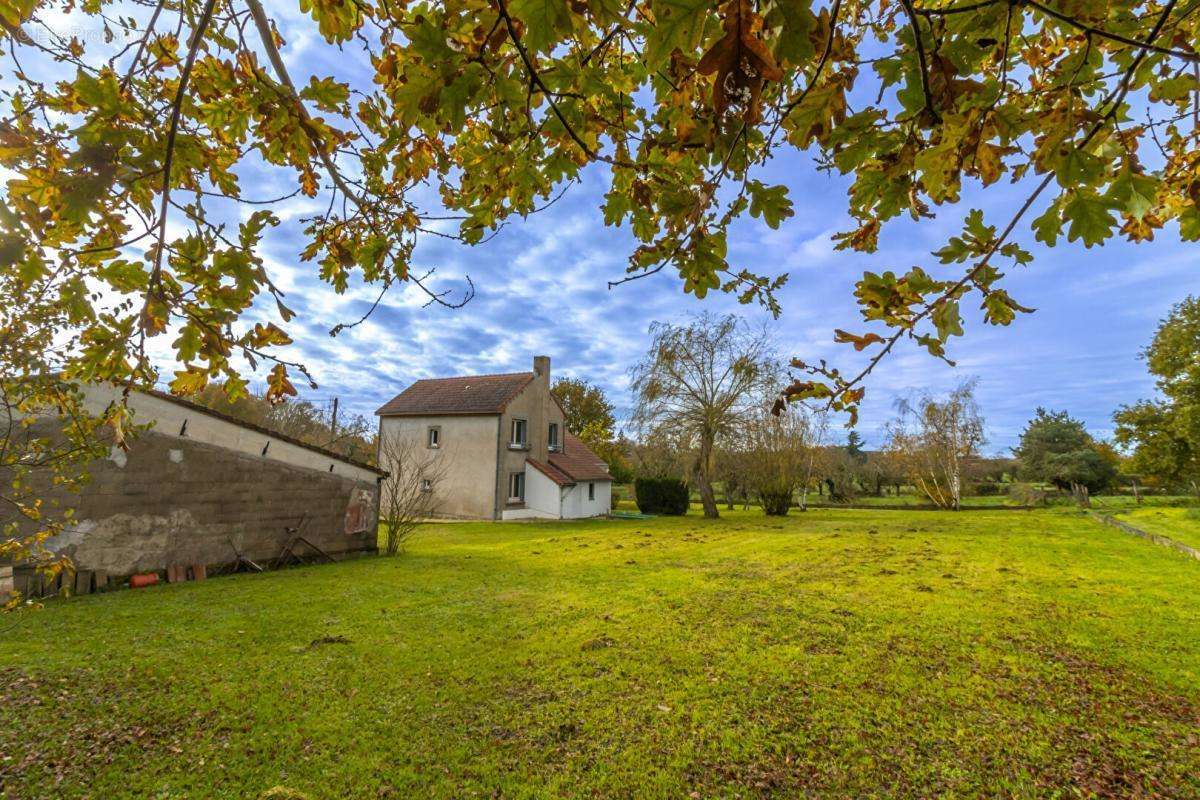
(831,654)
(1180,524)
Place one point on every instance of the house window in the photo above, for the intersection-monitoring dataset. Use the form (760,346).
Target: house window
(426,485)
(519,438)
(591,491)
(433,437)
(552,438)
(516,487)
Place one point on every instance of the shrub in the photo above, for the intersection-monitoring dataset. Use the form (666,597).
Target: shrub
(661,496)
(1025,494)
(776,499)
(988,488)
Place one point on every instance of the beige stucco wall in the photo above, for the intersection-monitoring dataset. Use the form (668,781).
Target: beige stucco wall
(536,406)
(467,454)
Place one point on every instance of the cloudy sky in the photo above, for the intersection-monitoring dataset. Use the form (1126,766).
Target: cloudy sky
(542,289)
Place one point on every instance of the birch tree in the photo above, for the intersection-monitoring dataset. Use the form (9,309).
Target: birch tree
(933,437)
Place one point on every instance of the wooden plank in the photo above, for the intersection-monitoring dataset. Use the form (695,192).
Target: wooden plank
(199,572)
(48,585)
(23,582)
(100,580)
(83,581)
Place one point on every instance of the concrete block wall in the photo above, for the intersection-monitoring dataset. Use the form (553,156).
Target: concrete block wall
(173,500)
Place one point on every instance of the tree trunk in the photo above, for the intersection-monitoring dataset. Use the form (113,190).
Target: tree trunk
(955,487)
(707,499)
(1137,495)
(1081,496)
(703,481)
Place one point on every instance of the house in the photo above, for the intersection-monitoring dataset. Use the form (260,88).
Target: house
(501,447)
(202,488)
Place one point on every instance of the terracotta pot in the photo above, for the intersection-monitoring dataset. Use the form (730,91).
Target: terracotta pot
(144,579)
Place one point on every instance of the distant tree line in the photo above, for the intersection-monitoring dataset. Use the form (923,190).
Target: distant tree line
(707,415)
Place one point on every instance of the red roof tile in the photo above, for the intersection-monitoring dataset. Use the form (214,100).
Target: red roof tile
(472,394)
(578,463)
(556,475)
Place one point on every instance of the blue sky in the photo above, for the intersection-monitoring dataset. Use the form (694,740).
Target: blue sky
(542,289)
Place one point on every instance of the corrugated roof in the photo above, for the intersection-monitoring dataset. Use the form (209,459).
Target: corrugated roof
(579,463)
(471,394)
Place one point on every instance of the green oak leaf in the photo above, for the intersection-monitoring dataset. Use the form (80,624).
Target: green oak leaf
(328,94)
(1090,219)
(678,24)
(771,203)
(546,21)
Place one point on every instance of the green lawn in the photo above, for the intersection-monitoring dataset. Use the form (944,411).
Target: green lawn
(1180,524)
(832,654)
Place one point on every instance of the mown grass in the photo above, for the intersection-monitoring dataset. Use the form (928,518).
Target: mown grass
(830,654)
(1180,524)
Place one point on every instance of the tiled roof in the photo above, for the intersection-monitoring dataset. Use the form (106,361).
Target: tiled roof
(554,474)
(472,394)
(578,463)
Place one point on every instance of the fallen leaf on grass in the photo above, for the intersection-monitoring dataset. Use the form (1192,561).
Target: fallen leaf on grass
(320,640)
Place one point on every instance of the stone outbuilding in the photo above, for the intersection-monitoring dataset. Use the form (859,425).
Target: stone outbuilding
(203,488)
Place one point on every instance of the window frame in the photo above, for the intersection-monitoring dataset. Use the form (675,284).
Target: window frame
(426,485)
(552,442)
(515,478)
(433,437)
(591,491)
(523,442)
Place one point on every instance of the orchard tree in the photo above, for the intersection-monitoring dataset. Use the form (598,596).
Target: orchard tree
(1165,433)
(779,457)
(413,490)
(611,450)
(696,382)
(138,134)
(584,404)
(589,415)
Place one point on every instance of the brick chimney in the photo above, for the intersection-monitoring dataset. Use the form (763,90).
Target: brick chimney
(541,366)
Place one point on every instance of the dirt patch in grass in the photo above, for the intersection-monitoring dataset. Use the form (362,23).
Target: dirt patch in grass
(1099,707)
(99,733)
(1064,725)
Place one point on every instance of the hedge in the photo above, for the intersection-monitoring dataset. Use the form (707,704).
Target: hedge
(661,496)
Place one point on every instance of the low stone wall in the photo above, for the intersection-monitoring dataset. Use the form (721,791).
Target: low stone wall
(171,500)
(1165,541)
